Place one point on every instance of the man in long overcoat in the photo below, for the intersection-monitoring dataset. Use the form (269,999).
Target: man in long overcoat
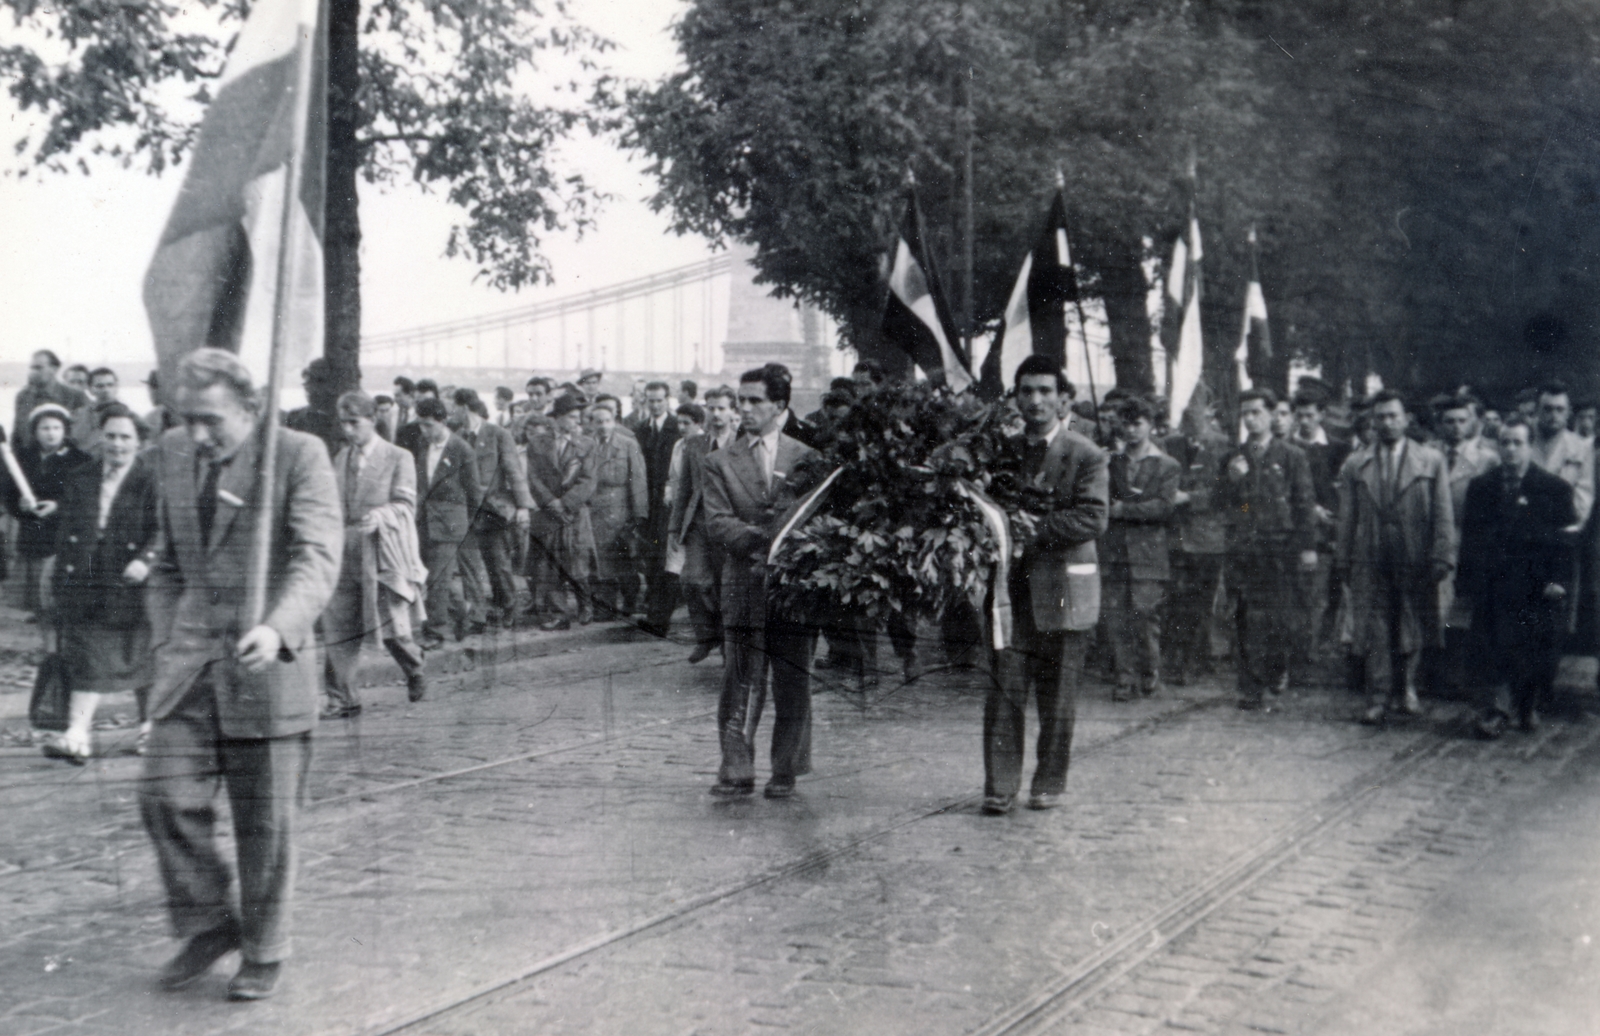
(1516,574)
(1396,543)
(382,584)
(748,490)
(234,698)
(617,510)
(561,541)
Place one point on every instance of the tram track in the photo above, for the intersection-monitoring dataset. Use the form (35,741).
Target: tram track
(724,894)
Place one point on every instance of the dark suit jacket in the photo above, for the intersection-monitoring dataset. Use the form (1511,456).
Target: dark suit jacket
(657,450)
(90,560)
(445,506)
(1272,506)
(801,430)
(196,594)
(743,514)
(1143,495)
(1061,565)
(1512,547)
(410,437)
(500,476)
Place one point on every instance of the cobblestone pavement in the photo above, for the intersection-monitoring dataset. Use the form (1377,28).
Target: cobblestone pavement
(532,850)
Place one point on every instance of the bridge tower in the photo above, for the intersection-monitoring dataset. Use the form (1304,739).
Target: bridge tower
(763,329)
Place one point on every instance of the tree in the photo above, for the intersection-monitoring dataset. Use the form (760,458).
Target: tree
(1421,171)
(434,91)
(793,127)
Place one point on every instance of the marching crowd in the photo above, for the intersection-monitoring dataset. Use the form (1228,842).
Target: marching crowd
(1411,546)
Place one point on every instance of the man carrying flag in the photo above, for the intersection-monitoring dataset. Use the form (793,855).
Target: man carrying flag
(251,531)
(916,317)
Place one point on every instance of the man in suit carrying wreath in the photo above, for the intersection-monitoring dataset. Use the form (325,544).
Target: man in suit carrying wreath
(1055,598)
(747,493)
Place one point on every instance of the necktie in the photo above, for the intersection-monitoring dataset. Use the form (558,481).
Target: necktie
(1451,455)
(207,504)
(351,474)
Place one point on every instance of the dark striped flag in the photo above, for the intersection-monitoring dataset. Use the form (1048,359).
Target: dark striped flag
(1183,294)
(916,317)
(233,239)
(1035,320)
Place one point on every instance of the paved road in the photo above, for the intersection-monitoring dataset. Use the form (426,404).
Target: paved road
(533,850)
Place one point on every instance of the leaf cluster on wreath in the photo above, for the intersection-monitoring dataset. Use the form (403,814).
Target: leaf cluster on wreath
(896,533)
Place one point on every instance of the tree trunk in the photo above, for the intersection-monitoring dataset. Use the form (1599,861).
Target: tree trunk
(1124,289)
(341,235)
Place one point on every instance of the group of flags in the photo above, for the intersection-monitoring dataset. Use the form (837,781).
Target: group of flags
(917,316)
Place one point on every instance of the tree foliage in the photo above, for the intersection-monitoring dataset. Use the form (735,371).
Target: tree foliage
(1419,170)
(437,92)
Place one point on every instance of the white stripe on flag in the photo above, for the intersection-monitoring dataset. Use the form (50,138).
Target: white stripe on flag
(802,514)
(1017,345)
(908,282)
(263,225)
(273,30)
(1178,272)
(1186,365)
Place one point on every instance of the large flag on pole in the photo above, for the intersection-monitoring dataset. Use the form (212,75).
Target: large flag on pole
(916,317)
(1183,288)
(1255,337)
(215,277)
(1035,320)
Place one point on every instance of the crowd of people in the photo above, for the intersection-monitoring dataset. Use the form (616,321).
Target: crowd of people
(1448,549)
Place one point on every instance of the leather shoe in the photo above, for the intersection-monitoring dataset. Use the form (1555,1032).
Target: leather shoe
(997,805)
(57,749)
(1490,727)
(416,687)
(554,625)
(199,953)
(779,788)
(1373,717)
(701,652)
(733,789)
(254,981)
(340,712)
(1043,800)
(431,641)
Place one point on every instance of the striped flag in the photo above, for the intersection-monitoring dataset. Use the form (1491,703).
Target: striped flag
(1183,288)
(215,277)
(1035,320)
(916,318)
(1255,337)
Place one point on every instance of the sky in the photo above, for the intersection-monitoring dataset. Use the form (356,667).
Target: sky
(74,248)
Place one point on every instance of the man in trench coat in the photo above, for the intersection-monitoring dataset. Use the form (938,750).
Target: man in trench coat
(1396,543)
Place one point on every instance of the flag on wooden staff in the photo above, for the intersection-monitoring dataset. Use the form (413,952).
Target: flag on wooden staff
(916,317)
(215,277)
(1183,289)
(1255,337)
(1035,320)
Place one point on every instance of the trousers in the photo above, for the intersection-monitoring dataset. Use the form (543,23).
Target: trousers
(1048,668)
(185,763)
(445,603)
(344,629)
(1133,614)
(784,649)
(1261,583)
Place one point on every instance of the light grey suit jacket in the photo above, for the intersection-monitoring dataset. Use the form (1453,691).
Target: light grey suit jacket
(196,595)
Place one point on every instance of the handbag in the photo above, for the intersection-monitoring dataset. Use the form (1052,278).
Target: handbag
(47,707)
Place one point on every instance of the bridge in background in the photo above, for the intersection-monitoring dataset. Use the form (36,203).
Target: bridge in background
(703,318)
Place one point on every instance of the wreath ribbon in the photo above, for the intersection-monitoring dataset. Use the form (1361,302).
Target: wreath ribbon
(994,516)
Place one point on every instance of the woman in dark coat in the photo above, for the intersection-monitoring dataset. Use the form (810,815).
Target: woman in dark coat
(47,460)
(106,529)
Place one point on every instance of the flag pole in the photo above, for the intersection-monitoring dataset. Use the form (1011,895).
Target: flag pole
(288,239)
(1083,326)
